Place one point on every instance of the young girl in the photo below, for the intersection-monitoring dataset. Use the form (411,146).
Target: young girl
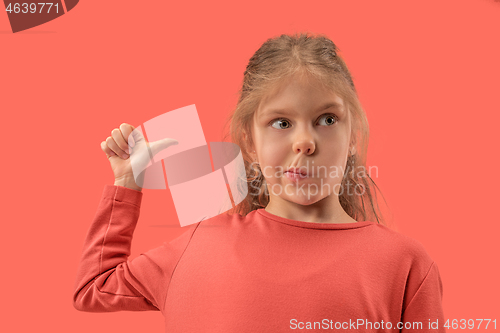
(302,251)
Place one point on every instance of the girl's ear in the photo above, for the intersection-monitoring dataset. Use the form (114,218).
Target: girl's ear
(352,150)
(248,147)
(352,147)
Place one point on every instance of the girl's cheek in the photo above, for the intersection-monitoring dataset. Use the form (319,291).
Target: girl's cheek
(274,153)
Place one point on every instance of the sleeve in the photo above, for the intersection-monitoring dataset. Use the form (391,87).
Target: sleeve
(106,281)
(426,304)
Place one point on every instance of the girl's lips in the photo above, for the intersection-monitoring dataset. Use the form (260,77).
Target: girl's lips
(299,170)
(295,176)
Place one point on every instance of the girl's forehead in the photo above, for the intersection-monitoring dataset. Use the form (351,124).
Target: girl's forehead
(294,85)
(293,101)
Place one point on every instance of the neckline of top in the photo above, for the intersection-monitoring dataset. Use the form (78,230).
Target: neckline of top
(313,225)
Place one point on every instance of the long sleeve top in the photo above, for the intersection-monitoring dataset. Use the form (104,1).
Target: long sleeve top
(260,273)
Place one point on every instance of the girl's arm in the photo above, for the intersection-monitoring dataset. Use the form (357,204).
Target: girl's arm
(106,280)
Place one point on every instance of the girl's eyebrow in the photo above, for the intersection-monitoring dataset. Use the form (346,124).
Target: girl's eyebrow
(322,108)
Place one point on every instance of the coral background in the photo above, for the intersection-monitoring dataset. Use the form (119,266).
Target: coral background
(427,73)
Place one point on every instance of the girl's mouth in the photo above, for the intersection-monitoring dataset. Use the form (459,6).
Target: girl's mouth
(295,176)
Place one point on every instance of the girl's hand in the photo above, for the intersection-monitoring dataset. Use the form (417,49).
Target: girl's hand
(124,163)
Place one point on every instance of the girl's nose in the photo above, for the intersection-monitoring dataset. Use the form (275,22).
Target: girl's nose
(305,146)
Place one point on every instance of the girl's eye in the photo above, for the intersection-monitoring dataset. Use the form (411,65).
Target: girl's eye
(282,121)
(331,119)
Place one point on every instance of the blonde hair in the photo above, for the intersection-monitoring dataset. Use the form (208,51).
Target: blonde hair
(275,62)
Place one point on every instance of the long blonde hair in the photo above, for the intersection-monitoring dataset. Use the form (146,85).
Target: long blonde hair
(277,60)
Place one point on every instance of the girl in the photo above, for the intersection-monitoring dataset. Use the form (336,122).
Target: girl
(302,251)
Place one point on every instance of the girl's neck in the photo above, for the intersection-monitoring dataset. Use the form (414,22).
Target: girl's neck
(318,212)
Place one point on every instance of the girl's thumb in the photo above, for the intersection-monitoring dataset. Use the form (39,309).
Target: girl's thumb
(162,144)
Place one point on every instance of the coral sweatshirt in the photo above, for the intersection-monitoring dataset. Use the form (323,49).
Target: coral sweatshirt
(260,273)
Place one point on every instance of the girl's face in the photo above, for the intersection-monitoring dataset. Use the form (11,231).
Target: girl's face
(306,126)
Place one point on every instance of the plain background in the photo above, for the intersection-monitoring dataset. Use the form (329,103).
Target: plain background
(427,73)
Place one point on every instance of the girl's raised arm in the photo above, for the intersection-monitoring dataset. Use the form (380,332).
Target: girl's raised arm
(106,281)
